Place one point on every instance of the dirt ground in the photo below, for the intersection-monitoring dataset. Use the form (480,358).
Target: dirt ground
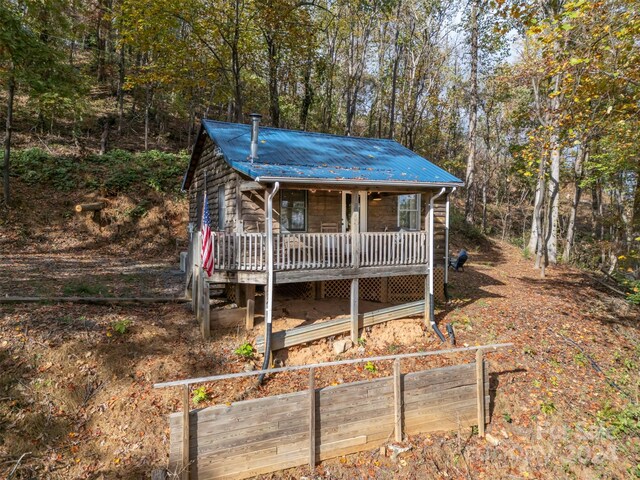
(76,381)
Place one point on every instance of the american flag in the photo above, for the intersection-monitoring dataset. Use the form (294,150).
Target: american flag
(207,243)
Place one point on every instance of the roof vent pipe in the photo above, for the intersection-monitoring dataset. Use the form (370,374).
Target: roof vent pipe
(255,125)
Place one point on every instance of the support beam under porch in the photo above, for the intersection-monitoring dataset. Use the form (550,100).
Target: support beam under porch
(296,276)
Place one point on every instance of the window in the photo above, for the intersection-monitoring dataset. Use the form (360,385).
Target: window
(221,208)
(293,210)
(409,211)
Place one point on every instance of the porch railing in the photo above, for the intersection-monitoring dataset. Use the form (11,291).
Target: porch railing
(303,251)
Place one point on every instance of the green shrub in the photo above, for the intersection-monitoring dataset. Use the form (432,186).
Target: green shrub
(35,166)
(634,291)
(121,326)
(200,394)
(370,367)
(138,211)
(547,407)
(245,350)
(116,171)
(621,422)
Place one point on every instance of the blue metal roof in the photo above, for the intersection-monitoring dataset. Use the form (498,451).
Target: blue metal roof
(316,157)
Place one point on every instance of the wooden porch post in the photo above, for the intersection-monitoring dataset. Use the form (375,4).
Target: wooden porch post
(355,261)
(241,295)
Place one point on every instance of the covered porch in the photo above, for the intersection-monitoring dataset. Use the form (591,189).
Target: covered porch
(315,234)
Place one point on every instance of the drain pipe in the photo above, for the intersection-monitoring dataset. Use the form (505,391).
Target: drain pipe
(432,309)
(268,294)
(446,247)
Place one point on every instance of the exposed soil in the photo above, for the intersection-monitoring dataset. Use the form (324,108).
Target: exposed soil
(76,396)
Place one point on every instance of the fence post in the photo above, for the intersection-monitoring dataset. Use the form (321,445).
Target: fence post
(249,319)
(185,433)
(312,419)
(397,399)
(480,390)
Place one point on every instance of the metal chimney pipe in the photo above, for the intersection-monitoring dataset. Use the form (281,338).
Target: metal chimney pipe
(255,126)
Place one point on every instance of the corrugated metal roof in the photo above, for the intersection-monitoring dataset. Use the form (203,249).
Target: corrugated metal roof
(302,156)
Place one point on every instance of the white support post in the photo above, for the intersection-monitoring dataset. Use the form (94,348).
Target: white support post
(355,229)
(427,227)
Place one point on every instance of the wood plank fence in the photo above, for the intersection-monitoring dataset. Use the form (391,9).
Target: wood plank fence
(263,435)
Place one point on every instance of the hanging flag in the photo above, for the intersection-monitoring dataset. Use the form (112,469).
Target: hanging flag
(207,243)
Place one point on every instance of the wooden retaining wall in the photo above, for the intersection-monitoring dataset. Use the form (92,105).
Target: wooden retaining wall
(269,434)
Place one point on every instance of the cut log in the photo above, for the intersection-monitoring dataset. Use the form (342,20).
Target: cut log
(94,300)
(89,207)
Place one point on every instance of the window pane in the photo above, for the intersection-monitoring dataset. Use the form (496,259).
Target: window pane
(293,210)
(409,211)
(413,222)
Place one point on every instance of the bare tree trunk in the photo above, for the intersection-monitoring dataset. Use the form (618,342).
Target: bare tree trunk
(394,78)
(147,108)
(636,207)
(596,210)
(537,206)
(473,116)
(554,202)
(307,98)
(11,91)
(484,206)
(192,119)
(578,171)
(539,214)
(101,41)
(543,259)
(104,138)
(236,67)
(274,95)
(121,79)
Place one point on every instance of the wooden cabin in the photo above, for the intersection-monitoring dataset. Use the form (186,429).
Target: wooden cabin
(324,215)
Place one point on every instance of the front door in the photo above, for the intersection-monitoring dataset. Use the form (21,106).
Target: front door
(347,208)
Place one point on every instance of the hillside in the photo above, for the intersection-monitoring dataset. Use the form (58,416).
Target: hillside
(76,380)
(144,211)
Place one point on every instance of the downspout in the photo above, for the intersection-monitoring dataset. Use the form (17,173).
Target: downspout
(446,247)
(268,294)
(432,310)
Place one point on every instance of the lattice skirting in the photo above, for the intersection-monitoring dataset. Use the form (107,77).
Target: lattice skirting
(407,288)
(230,292)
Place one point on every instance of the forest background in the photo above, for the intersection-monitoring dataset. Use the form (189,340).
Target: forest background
(533,103)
